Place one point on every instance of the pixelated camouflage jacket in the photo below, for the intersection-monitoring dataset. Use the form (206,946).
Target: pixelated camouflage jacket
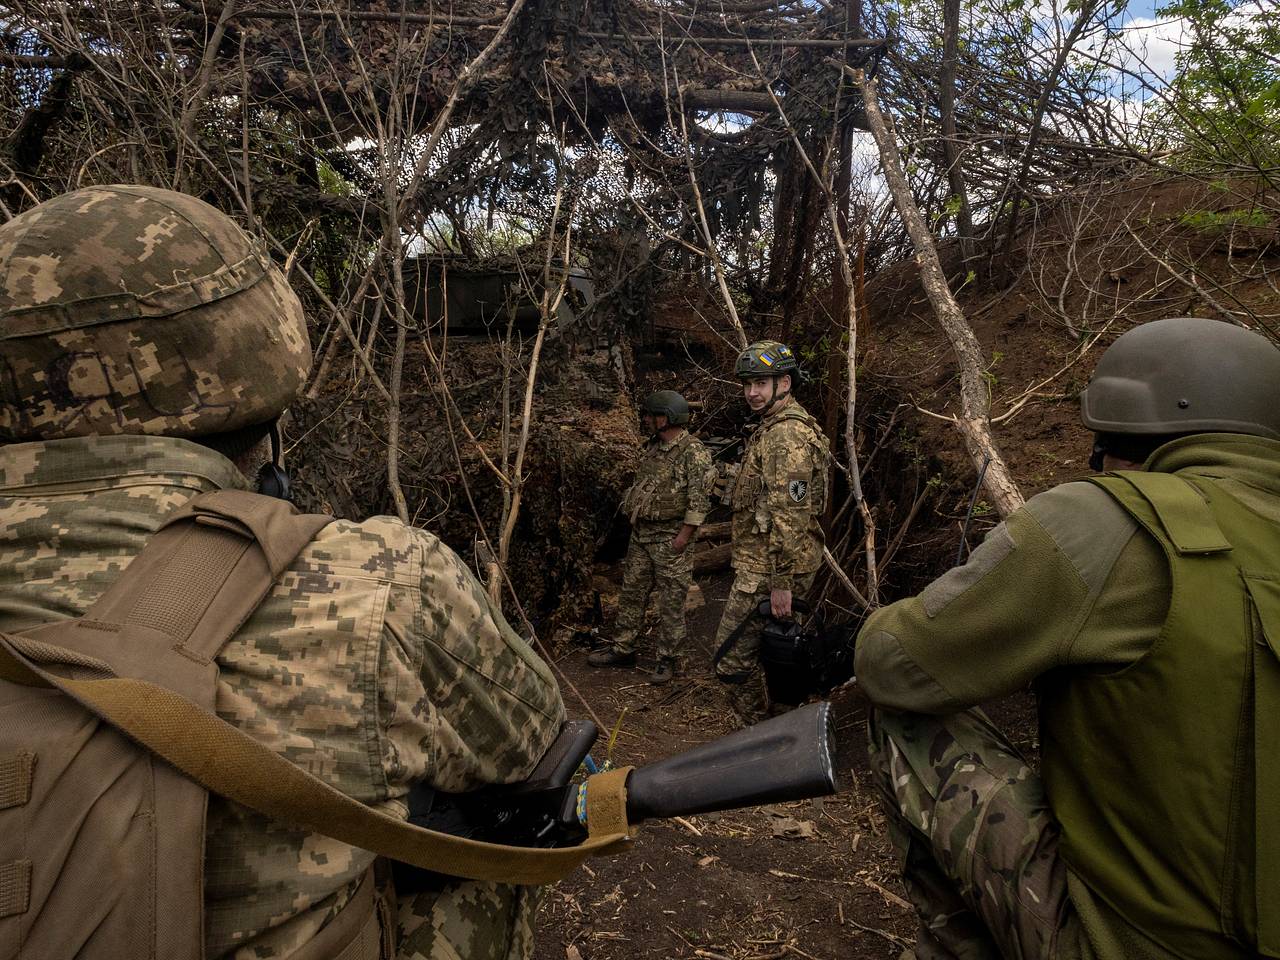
(779,498)
(375,661)
(672,487)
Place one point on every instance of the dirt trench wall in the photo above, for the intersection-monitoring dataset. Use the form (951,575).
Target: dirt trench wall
(1085,272)
(579,459)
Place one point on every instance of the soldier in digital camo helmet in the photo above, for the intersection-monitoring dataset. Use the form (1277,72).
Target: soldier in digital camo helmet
(778,499)
(147,345)
(1144,605)
(666,503)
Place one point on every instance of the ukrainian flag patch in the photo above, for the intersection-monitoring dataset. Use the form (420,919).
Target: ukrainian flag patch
(766,359)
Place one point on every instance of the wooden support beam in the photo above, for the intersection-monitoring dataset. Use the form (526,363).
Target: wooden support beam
(482,23)
(714,531)
(755,102)
(713,560)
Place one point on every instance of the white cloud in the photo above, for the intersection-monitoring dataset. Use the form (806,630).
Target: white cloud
(1153,44)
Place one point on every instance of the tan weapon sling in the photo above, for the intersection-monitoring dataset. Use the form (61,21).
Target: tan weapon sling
(101,849)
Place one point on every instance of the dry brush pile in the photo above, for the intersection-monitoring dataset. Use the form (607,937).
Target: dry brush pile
(666,145)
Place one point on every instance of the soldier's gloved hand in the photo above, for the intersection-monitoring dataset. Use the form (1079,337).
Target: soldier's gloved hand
(780,603)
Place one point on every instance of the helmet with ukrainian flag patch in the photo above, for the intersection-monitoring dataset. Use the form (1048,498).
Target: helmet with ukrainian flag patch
(765,358)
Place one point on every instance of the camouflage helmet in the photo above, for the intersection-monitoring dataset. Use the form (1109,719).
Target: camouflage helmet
(668,403)
(136,310)
(1185,375)
(765,358)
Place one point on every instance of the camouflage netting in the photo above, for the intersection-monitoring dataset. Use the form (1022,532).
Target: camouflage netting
(308,122)
(600,69)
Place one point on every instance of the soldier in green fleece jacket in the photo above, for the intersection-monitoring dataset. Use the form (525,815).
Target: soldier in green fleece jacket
(1144,605)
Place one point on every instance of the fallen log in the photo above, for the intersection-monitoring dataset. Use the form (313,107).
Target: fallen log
(714,531)
(713,560)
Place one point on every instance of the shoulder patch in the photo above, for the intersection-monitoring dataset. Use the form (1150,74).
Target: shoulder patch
(952,584)
(1087,524)
(798,490)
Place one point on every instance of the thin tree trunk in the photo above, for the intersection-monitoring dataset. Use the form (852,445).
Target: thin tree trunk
(548,309)
(203,76)
(393,423)
(840,291)
(401,317)
(713,253)
(974,421)
(947,112)
(1037,118)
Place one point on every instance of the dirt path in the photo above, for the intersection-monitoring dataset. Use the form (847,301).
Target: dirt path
(814,879)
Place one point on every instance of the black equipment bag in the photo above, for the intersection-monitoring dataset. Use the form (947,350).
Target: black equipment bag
(803,657)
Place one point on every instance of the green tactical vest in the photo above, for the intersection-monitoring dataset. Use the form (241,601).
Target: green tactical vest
(1165,775)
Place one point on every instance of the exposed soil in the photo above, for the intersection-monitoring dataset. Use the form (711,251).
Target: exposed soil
(812,879)
(818,879)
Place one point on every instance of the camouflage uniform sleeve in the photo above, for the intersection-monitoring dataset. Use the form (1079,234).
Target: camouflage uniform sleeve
(487,706)
(493,709)
(1066,580)
(700,478)
(788,476)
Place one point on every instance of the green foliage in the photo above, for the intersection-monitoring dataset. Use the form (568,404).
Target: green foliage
(332,182)
(1212,221)
(1226,92)
(989,374)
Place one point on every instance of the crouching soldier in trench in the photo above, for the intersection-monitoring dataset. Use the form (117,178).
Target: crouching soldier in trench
(1144,604)
(666,504)
(147,348)
(778,499)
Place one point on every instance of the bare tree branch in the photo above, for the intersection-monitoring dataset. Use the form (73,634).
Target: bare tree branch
(974,421)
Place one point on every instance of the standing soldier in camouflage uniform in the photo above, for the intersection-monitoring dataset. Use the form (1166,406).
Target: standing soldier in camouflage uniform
(666,504)
(147,347)
(1144,604)
(778,501)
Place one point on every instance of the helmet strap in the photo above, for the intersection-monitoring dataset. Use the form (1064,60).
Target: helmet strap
(670,431)
(1096,461)
(1133,447)
(774,399)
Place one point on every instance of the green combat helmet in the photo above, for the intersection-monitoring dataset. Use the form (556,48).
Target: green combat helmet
(1185,375)
(670,404)
(766,358)
(136,310)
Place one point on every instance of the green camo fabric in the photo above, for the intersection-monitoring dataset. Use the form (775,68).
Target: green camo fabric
(1175,822)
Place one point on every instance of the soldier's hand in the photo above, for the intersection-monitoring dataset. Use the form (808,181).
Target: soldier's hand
(780,603)
(679,543)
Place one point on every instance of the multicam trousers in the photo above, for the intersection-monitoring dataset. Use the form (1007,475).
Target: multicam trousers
(740,670)
(651,567)
(977,842)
